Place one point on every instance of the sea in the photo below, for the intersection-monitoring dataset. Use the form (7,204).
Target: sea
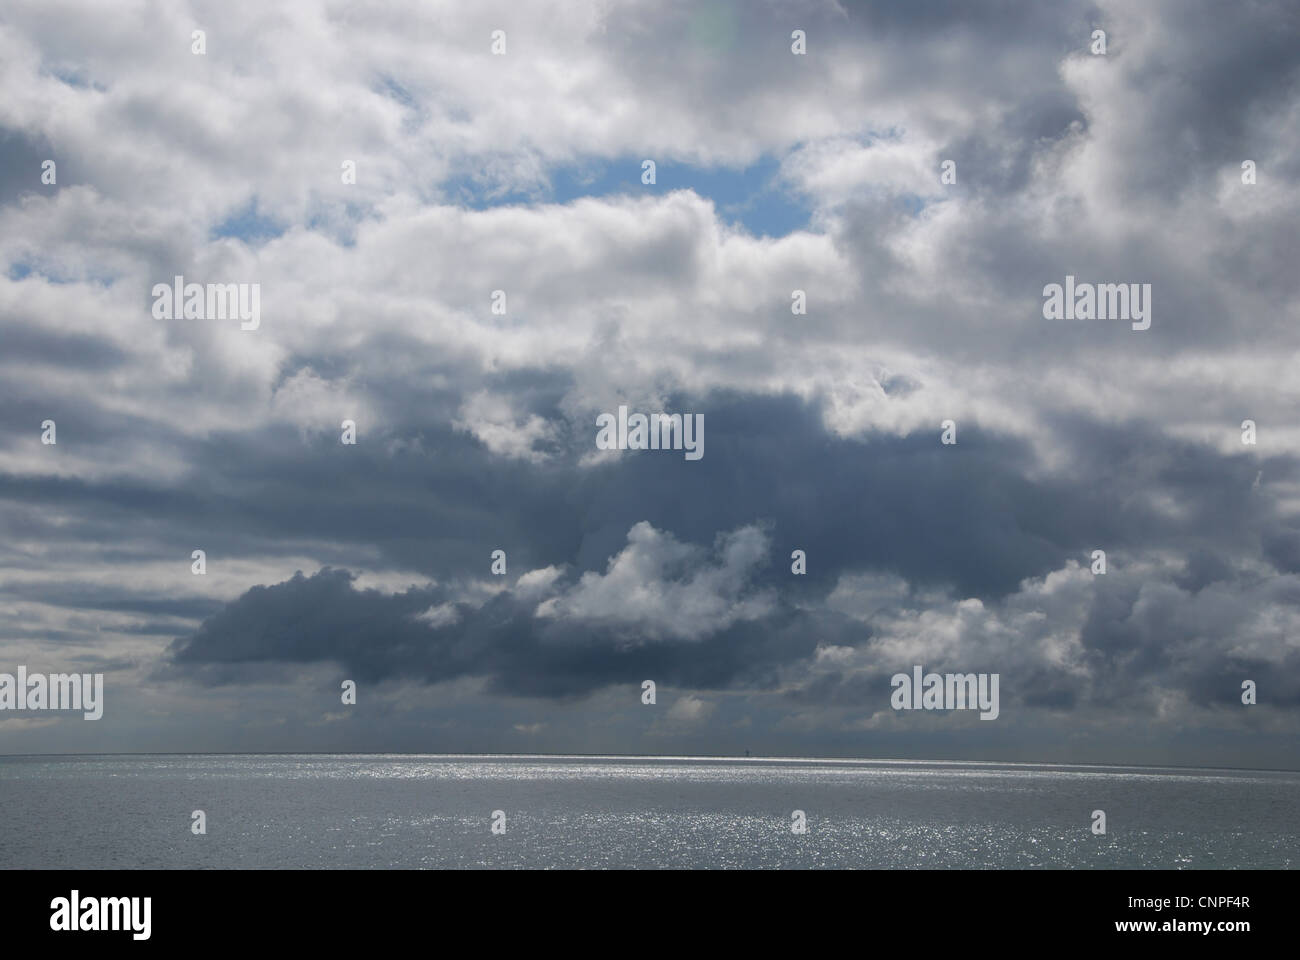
(593,812)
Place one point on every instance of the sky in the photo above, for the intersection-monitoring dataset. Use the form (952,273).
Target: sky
(380,172)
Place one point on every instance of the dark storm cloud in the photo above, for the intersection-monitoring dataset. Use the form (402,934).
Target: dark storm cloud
(1282,547)
(377,636)
(73,351)
(970,516)
(20,173)
(1155,632)
(1214,82)
(965,518)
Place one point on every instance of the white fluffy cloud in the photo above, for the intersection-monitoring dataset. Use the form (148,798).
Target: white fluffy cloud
(660,589)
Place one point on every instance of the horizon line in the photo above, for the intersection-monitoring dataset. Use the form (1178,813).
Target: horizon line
(650,756)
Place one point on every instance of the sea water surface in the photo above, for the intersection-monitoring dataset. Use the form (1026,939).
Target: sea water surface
(377,811)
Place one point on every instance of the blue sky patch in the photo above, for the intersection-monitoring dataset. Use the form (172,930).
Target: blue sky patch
(752,197)
(248,225)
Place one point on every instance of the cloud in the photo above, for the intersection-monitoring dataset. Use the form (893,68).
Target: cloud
(657,588)
(690,710)
(489,419)
(521,173)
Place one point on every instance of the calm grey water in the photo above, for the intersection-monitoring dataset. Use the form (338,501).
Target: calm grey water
(598,812)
